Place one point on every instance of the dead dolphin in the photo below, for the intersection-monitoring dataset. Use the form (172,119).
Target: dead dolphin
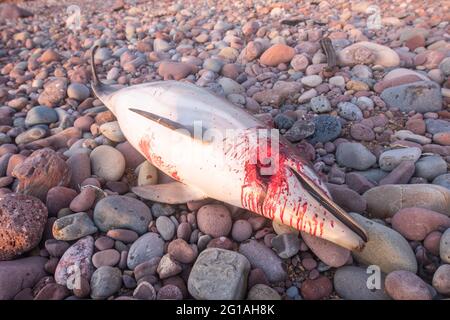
(214,149)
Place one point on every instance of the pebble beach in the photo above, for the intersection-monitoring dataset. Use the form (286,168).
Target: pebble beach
(375,127)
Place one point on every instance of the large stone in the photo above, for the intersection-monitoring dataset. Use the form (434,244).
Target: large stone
(219,274)
(331,254)
(404,285)
(107,163)
(385,248)
(392,158)
(122,212)
(417,223)
(22,222)
(384,201)
(422,96)
(40,172)
(148,246)
(105,282)
(73,227)
(352,283)
(76,262)
(20,274)
(365,52)
(278,53)
(264,258)
(354,155)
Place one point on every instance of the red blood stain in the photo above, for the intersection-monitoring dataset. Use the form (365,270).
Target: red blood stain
(144,145)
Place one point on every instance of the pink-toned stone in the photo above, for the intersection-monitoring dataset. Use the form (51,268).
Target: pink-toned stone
(76,260)
(171,70)
(417,223)
(40,172)
(330,253)
(316,289)
(405,285)
(276,54)
(22,222)
(58,198)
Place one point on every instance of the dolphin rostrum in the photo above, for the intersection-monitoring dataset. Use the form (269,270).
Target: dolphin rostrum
(214,149)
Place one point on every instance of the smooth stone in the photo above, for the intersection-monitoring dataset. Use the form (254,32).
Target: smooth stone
(430,167)
(148,246)
(75,262)
(78,91)
(286,245)
(112,131)
(437,126)
(219,274)
(276,54)
(122,212)
(382,55)
(148,174)
(443,180)
(347,198)
(107,163)
(262,292)
(444,246)
(40,115)
(417,223)
(105,282)
(182,251)
(241,230)
(350,283)
(410,136)
(385,248)
(73,227)
(168,267)
(144,291)
(422,96)
(328,252)
(405,285)
(59,198)
(165,227)
(132,157)
(392,158)
(441,279)
(384,201)
(80,166)
(109,257)
(31,135)
(311,81)
(214,220)
(354,155)
(316,289)
(264,258)
(20,274)
(401,174)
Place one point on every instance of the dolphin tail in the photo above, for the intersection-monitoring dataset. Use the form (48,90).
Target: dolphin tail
(101,90)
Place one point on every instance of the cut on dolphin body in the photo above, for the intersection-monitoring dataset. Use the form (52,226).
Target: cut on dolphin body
(215,149)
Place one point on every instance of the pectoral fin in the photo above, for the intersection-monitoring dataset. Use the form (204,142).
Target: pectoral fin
(171,193)
(172,125)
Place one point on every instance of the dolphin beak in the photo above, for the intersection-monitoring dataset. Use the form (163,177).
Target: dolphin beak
(313,211)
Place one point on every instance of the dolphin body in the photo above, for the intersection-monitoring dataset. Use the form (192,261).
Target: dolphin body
(162,121)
